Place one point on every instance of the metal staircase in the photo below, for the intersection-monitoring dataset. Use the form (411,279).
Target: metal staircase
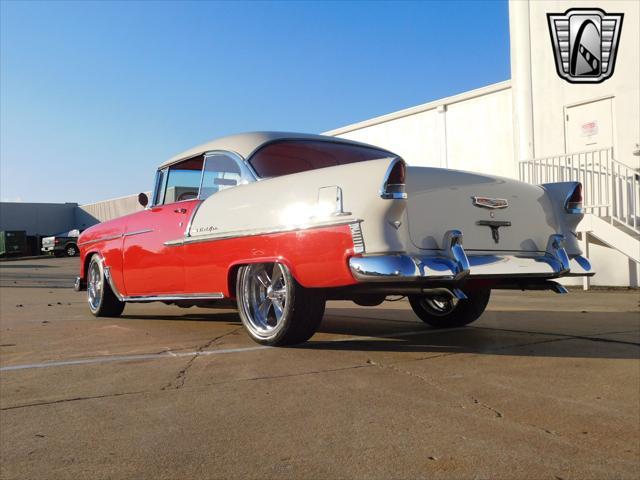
(611,195)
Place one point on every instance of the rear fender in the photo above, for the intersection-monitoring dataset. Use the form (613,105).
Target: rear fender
(568,222)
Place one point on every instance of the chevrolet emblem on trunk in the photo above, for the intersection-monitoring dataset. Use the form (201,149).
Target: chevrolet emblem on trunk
(493,203)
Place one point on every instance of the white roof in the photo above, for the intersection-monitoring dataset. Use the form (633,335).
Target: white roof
(244,144)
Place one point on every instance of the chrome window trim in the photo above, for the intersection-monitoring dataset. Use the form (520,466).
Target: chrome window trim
(156,187)
(166,179)
(246,175)
(256,232)
(332,140)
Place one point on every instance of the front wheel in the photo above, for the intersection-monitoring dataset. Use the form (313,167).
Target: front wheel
(102,300)
(274,308)
(447,312)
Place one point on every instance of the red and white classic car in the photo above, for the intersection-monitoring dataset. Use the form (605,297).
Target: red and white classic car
(278,223)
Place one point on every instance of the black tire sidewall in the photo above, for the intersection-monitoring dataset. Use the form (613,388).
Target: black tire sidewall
(96,260)
(465,311)
(109,305)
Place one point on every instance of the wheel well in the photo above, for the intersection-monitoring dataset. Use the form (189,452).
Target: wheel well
(231,279)
(233,272)
(85,265)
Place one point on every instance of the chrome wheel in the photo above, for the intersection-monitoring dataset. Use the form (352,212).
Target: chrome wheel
(95,284)
(266,289)
(71,251)
(439,306)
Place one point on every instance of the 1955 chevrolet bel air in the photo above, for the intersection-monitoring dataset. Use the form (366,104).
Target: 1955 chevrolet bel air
(275,224)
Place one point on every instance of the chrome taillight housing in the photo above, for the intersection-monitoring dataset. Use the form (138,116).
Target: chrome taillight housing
(574,200)
(393,186)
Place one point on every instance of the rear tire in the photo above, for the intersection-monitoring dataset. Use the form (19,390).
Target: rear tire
(274,308)
(442,312)
(102,301)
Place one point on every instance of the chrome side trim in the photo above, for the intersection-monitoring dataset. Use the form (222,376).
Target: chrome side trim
(255,232)
(137,232)
(103,239)
(175,298)
(356,236)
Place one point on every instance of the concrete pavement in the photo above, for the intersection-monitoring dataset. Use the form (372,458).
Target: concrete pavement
(542,386)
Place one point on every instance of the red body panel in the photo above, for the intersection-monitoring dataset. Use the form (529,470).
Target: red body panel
(105,239)
(149,266)
(316,257)
(140,263)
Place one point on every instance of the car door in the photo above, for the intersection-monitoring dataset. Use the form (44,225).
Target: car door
(150,266)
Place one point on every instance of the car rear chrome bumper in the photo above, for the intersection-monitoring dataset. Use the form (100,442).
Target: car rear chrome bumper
(454,264)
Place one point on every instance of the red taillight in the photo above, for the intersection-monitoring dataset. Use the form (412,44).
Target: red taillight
(574,202)
(56,241)
(394,184)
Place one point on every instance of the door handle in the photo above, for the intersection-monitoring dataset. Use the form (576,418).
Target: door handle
(180,210)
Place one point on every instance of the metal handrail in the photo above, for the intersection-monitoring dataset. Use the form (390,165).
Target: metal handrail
(610,188)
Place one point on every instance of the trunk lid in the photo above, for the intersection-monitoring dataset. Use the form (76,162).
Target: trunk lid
(441,200)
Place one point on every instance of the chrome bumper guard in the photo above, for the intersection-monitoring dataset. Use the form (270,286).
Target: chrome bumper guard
(453,264)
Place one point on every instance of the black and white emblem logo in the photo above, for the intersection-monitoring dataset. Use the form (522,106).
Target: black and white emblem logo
(585,43)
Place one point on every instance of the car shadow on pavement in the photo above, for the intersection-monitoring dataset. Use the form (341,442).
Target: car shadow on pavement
(515,333)
(531,334)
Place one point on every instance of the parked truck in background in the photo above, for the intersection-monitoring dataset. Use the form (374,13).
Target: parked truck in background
(61,244)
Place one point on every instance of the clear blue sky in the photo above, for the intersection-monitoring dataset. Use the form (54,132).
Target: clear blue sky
(94,95)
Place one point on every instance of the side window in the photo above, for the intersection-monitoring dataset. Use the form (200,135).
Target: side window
(220,172)
(183,180)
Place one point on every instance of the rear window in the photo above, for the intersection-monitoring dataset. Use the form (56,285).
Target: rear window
(293,156)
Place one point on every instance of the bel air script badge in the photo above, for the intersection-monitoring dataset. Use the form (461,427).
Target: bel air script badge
(493,203)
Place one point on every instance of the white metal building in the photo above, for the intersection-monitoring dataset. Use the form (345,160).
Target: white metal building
(540,128)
